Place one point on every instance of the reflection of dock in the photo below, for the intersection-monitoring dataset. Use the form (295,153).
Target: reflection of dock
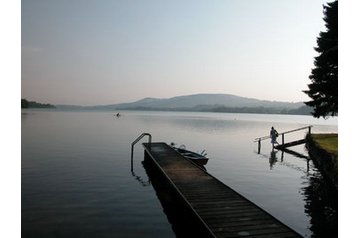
(220,210)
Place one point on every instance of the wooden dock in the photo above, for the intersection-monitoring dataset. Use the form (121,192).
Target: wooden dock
(221,210)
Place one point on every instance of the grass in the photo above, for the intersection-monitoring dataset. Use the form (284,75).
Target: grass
(328,142)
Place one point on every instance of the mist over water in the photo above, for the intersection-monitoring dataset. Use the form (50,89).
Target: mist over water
(76,178)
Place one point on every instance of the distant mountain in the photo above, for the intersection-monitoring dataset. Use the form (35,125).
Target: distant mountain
(205,101)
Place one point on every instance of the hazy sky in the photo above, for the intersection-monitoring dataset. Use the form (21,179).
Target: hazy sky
(92,52)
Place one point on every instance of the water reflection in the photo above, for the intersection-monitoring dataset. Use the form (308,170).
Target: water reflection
(321,198)
(273,158)
(322,207)
(141,181)
(75,169)
(198,123)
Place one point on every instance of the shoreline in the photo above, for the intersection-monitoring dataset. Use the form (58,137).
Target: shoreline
(326,162)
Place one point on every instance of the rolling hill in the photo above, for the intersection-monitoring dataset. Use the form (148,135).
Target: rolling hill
(205,102)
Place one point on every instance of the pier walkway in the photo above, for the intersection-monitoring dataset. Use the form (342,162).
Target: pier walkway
(220,209)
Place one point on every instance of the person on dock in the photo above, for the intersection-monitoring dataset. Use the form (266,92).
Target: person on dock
(273,135)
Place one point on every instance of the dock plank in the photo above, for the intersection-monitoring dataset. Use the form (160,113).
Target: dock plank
(223,211)
(290,144)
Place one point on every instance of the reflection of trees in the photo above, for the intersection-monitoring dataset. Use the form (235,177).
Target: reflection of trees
(322,207)
(320,196)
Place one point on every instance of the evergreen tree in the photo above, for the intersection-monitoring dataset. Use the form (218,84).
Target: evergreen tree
(324,77)
(24,103)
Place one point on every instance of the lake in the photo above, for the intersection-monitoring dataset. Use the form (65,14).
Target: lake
(76,178)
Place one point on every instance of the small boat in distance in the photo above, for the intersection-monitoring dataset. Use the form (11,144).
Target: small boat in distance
(197,158)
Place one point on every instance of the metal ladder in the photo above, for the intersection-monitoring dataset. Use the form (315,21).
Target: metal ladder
(136,141)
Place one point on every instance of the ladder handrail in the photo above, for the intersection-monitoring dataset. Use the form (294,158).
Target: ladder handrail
(136,141)
(282,133)
(141,136)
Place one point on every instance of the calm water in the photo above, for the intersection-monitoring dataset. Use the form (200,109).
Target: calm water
(76,178)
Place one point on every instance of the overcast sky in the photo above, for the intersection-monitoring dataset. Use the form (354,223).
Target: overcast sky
(91,52)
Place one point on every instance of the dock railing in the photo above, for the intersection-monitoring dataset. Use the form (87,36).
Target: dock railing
(259,139)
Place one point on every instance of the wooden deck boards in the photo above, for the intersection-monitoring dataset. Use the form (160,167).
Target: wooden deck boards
(223,211)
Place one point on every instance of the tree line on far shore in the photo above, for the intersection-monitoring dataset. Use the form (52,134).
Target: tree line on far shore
(32,104)
(303,110)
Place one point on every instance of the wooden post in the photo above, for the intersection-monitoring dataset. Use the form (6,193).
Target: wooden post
(309,130)
(283,139)
(259,149)
(308,165)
